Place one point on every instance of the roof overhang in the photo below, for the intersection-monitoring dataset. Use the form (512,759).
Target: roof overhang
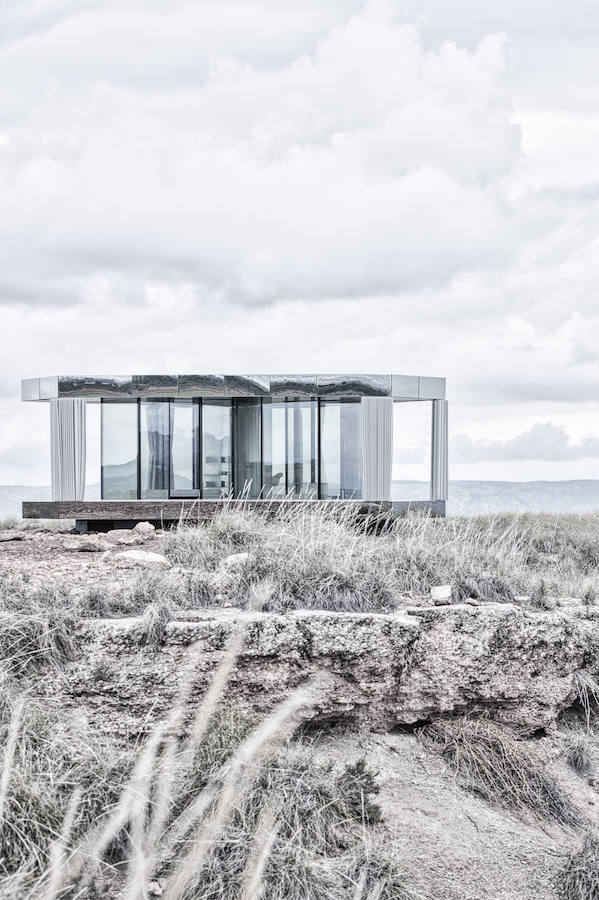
(399,387)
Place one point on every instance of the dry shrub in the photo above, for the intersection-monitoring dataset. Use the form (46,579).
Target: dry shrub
(579,879)
(495,763)
(29,642)
(580,756)
(156,617)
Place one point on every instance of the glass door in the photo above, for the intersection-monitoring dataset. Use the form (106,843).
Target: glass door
(184,448)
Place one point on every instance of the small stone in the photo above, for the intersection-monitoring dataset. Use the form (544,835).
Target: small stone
(141,558)
(234,560)
(155,889)
(441,594)
(144,528)
(124,536)
(472,601)
(86,545)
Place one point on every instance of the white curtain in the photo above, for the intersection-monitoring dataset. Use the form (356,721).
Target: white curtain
(440,459)
(377,447)
(67,443)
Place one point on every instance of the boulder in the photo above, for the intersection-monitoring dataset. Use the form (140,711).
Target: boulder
(145,529)
(86,545)
(140,558)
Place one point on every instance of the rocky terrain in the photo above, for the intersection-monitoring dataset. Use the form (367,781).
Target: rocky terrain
(129,612)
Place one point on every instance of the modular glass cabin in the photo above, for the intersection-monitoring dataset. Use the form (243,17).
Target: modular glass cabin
(194,438)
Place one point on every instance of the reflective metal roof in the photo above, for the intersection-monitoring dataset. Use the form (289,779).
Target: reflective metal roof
(400,387)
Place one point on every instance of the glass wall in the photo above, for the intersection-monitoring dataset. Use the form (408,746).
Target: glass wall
(274,443)
(412,449)
(216,448)
(119,450)
(340,450)
(248,448)
(185,481)
(155,449)
(302,448)
(290,448)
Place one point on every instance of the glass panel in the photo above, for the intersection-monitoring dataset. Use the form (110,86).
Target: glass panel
(248,456)
(119,451)
(302,439)
(155,448)
(216,448)
(184,448)
(341,450)
(412,439)
(274,443)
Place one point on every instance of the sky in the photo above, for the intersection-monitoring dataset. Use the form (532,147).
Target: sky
(404,186)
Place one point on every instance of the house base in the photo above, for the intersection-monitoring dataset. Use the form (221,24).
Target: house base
(103,515)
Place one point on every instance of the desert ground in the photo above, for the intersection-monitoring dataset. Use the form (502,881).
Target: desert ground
(272,707)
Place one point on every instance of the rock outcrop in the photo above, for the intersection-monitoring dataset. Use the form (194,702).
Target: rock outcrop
(381,670)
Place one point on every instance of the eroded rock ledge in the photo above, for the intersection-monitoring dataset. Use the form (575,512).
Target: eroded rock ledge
(384,670)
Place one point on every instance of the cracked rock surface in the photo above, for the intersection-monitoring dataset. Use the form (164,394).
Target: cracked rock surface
(381,670)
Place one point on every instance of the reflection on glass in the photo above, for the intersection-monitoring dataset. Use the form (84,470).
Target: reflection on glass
(154,448)
(341,450)
(275,442)
(184,448)
(412,440)
(248,451)
(216,448)
(119,450)
(302,441)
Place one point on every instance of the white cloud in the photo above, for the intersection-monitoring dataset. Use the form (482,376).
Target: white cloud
(544,441)
(395,186)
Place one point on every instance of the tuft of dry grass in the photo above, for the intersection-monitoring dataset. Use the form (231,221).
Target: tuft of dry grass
(29,642)
(587,691)
(494,762)
(156,617)
(580,756)
(579,880)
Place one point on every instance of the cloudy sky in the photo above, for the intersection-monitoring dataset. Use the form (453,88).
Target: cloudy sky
(308,186)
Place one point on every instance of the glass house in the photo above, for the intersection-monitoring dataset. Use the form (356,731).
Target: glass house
(195,438)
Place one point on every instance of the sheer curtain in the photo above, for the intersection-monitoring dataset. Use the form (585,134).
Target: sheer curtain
(377,447)
(67,448)
(155,415)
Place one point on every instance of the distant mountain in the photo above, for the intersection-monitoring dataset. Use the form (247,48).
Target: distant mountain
(479,497)
(471,498)
(11,496)
(466,498)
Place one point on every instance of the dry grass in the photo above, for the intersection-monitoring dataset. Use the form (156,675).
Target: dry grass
(579,879)
(588,695)
(319,558)
(217,809)
(47,756)
(580,756)
(494,762)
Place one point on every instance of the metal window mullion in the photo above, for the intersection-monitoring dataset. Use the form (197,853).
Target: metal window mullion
(200,446)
